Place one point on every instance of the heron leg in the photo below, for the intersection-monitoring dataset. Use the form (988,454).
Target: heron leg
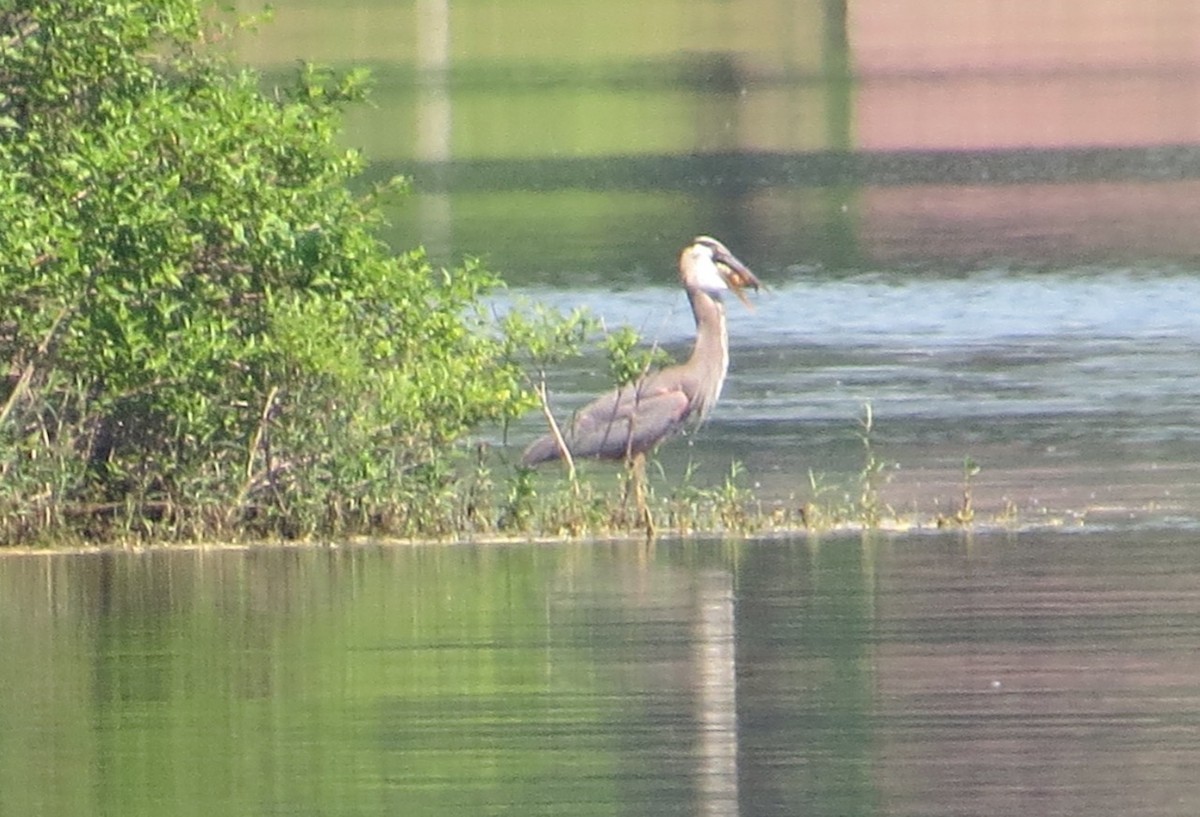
(637,473)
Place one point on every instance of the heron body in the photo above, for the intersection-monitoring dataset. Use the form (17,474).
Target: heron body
(630,421)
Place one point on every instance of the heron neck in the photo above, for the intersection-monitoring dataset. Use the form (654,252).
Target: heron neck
(710,355)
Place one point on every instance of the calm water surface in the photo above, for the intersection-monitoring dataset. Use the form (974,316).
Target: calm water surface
(1075,392)
(1038,673)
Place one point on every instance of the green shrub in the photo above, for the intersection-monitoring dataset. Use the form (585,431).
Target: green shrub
(200,331)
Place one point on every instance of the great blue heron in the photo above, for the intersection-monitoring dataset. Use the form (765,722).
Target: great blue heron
(628,422)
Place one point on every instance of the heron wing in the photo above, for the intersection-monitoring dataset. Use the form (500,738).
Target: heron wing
(629,420)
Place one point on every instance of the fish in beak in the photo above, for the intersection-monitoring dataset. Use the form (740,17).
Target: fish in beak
(737,275)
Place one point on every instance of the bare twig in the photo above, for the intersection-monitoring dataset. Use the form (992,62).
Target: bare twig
(260,432)
(256,442)
(563,451)
(23,380)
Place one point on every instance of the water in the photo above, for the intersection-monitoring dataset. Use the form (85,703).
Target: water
(1043,672)
(981,224)
(1074,392)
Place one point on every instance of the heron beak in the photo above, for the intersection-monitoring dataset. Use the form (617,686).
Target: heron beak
(737,275)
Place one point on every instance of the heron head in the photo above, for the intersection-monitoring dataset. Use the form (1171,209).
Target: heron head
(708,265)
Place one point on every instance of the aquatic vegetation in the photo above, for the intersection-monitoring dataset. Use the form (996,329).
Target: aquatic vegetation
(964,515)
(832,504)
(870,509)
